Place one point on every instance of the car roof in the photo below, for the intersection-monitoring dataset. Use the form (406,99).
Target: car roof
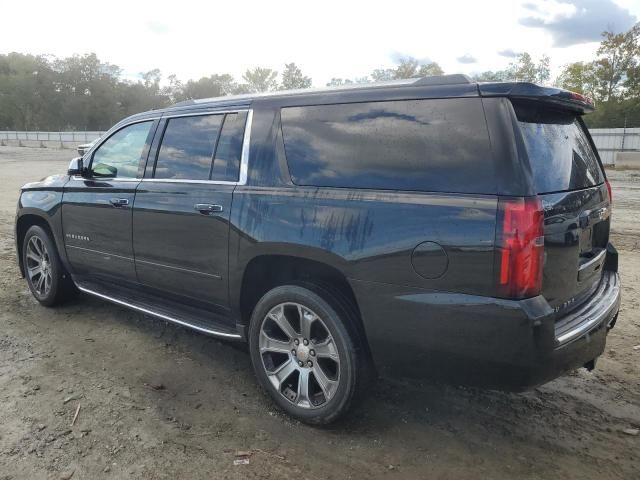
(439,86)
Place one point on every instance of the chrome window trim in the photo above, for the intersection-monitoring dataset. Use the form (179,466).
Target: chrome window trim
(246,146)
(209,112)
(244,156)
(109,179)
(109,133)
(179,180)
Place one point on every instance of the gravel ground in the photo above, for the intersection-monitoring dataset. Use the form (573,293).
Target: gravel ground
(158,401)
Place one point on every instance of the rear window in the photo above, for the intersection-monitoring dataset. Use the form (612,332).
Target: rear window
(427,145)
(226,164)
(187,147)
(558,148)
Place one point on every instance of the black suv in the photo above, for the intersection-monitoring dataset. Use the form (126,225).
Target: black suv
(434,227)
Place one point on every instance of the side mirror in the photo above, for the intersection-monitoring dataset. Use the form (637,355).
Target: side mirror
(76,167)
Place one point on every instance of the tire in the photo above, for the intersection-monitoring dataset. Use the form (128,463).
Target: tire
(52,285)
(333,366)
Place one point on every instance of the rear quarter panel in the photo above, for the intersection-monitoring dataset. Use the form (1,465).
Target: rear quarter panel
(368,235)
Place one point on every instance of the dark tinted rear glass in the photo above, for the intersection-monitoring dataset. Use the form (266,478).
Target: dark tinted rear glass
(559,150)
(187,147)
(226,165)
(429,145)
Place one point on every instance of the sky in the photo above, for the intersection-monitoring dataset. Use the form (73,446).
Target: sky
(326,38)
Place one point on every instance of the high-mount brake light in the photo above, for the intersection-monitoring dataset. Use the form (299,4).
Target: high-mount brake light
(520,246)
(581,98)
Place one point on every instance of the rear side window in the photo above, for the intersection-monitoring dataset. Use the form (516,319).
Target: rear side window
(558,148)
(187,147)
(427,145)
(226,165)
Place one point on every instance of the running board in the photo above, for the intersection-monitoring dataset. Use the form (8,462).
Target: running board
(161,308)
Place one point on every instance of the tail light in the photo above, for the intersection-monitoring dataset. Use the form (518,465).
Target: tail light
(520,247)
(609,191)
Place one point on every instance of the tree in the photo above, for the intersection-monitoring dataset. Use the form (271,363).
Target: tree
(618,56)
(523,69)
(175,90)
(491,76)
(578,77)
(407,68)
(543,71)
(151,79)
(383,74)
(260,80)
(336,82)
(430,69)
(292,78)
(215,85)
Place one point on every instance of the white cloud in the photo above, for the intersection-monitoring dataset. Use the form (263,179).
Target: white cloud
(332,38)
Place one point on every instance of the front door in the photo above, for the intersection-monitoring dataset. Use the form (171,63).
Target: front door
(96,209)
(182,206)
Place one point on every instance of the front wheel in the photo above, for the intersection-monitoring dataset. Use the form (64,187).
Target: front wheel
(47,280)
(305,354)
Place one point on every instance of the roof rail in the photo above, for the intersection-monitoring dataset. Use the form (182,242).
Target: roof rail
(184,103)
(455,79)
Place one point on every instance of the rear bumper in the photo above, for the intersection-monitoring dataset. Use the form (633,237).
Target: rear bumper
(481,340)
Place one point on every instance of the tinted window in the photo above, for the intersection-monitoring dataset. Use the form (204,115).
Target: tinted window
(120,154)
(187,147)
(558,148)
(226,165)
(429,145)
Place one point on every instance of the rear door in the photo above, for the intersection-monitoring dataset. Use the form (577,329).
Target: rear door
(182,206)
(569,178)
(96,210)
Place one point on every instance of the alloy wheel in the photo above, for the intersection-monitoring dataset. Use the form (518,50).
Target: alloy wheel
(299,355)
(38,265)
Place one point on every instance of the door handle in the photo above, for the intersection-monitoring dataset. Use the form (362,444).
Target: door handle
(208,208)
(119,202)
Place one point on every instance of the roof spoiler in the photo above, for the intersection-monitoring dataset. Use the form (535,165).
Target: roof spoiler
(559,97)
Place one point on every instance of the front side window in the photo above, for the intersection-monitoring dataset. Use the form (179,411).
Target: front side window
(187,147)
(119,156)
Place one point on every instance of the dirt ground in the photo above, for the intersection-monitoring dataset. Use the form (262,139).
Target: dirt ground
(110,362)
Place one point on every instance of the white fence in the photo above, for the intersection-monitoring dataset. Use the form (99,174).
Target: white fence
(59,137)
(608,140)
(612,140)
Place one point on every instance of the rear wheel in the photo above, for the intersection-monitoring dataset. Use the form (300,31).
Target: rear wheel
(304,353)
(47,280)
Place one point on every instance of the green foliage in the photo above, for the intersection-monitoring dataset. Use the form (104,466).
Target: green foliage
(614,76)
(615,114)
(39,92)
(491,76)
(260,80)
(78,92)
(292,78)
(407,68)
(524,69)
(206,87)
